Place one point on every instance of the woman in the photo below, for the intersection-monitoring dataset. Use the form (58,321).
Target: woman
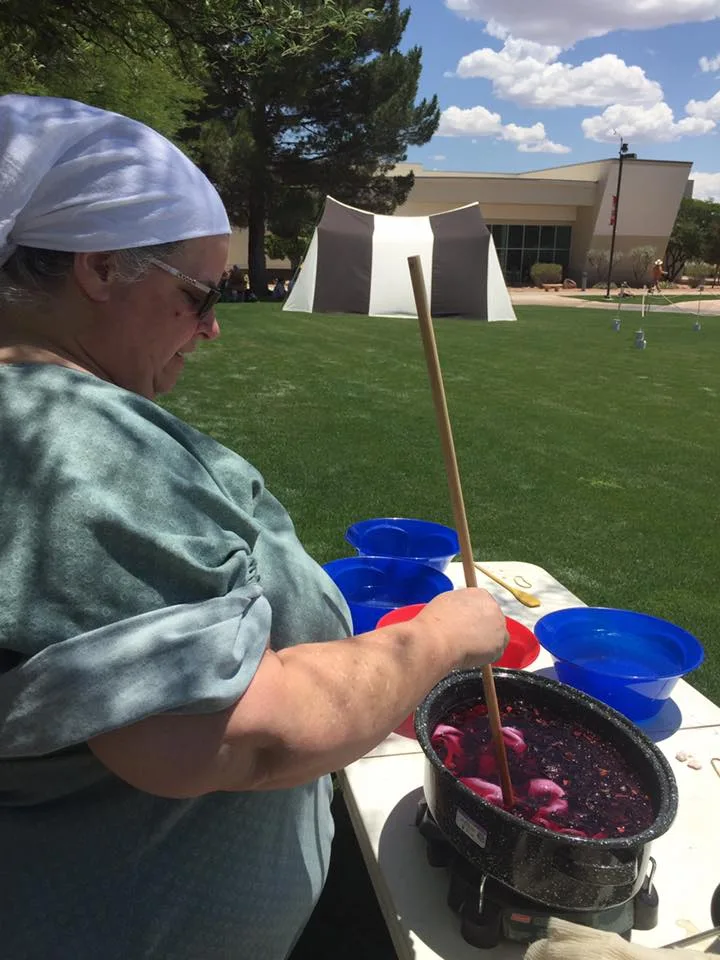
(167,716)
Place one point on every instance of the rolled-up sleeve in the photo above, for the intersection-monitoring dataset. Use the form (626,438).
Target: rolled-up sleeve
(188,658)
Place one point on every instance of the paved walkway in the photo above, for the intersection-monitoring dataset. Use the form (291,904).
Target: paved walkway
(709,304)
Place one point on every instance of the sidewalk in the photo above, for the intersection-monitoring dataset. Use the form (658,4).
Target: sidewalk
(526,297)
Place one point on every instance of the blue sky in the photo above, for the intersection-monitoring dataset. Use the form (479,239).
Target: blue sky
(526,85)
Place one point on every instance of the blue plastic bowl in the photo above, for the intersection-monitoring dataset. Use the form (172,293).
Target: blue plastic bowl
(630,661)
(420,540)
(373,586)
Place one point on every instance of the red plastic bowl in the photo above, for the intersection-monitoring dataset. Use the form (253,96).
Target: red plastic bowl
(523,647)
(522,650)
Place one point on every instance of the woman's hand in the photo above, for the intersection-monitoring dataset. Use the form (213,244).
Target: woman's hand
(470,623)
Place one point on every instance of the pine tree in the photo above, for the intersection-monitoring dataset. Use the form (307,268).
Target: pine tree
(305,99)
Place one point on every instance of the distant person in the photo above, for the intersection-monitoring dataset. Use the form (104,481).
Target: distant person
(278,291)
(657,275)
(223,285)
(236,284)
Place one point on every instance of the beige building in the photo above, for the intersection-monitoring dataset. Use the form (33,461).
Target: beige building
(555,215)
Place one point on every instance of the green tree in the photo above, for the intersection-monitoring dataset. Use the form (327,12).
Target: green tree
(130,56)
(688,235)
(324,105)
(711,247)
(287,248)
(41,37)
(291,223)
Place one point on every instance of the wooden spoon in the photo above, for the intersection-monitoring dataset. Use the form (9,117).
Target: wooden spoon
(521,595)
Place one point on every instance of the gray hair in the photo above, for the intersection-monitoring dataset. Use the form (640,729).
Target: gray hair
(32,275)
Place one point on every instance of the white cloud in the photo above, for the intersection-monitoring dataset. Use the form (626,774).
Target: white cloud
(707,186)
(528,74)
(474,121)
(438,157)
(705,109)
(493,29)
(532,139)
(567,21)
(481,122)
(709,64)
(656,123)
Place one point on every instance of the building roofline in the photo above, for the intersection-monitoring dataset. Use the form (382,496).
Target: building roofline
(588,163)
(460,175)
(420,171)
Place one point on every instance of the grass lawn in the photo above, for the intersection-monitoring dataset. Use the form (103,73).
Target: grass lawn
(654,300)
(577,452)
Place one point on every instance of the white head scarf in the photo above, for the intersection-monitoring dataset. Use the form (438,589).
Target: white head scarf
(79,179)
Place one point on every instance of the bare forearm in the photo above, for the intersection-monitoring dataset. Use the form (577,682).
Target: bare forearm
(330,704)
(309,709)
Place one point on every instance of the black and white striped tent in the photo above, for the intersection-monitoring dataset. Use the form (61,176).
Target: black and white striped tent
(357,263)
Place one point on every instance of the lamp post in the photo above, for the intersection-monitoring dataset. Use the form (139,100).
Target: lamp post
(622,156)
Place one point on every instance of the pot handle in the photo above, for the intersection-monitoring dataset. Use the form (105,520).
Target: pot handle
(604,873)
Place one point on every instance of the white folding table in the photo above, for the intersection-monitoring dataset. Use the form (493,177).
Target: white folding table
(382,791)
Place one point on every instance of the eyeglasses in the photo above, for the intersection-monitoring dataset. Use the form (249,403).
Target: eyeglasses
(212,293)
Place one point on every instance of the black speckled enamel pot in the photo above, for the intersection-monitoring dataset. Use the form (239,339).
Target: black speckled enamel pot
(555,870)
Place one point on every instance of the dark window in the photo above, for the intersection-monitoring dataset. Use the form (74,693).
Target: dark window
(499,232)
(547,237)
(562,237)
(532,238)
(519,246)
(529,258)
(515,237)
(514,259)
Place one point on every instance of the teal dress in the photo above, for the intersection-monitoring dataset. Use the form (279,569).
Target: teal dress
(143,568)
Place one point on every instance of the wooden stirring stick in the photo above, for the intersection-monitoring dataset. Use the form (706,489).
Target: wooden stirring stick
(458,504)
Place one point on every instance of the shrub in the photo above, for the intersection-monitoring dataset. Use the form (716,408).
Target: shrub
(696,271)
(597,264)
(546,273)
(642,258)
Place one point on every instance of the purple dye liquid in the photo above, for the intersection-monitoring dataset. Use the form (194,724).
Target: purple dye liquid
(565,777)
